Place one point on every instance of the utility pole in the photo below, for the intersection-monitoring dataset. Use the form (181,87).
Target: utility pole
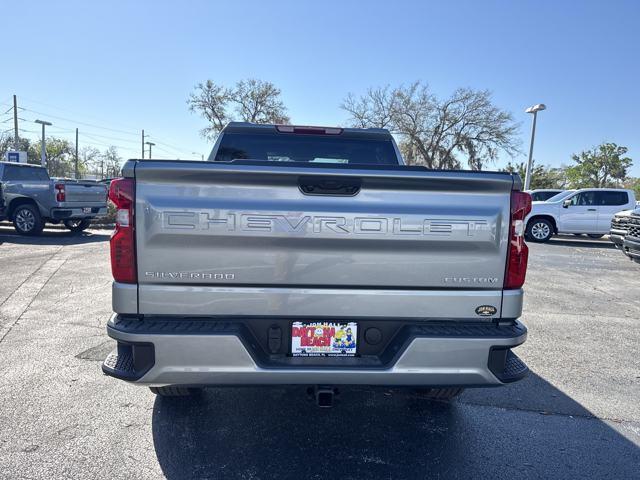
(534,110)
(77,154)
(143,144)
(151,144)
(16,138)
(43,153)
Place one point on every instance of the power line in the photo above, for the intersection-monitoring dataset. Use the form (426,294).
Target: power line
(102,128)
(97,141)
(96,135)
(10,107)
(174,152)
(80,123)
(69,111)
(87,116)
(171,153)
(178,150)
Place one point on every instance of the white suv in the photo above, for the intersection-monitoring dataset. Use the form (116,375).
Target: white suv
(587,211)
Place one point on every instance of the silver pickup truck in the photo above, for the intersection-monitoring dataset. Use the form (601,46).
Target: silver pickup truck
(29,198)
(313,256)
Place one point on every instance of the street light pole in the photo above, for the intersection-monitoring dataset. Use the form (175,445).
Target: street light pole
(16,137)
(76,164)
(151,144)
(535,109)
(43,153)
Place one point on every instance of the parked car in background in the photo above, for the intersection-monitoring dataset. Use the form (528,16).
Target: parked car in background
(631,245)
(543,194)
(30,198)
(618,229)
(585,211)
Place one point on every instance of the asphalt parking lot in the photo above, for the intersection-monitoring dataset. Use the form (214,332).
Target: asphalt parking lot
(577,415)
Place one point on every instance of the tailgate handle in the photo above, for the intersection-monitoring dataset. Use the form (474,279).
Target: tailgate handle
(329,186)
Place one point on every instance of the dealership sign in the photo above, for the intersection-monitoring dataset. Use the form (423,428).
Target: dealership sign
(17,157)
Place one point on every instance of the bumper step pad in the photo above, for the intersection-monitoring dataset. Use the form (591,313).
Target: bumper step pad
(506,365)
(129,361)
(514,367)
(120,363)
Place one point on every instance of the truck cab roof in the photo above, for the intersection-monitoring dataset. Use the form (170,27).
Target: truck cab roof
(270,128)
(308,144)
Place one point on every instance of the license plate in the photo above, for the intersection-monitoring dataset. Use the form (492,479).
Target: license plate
(86,209)
(324,339)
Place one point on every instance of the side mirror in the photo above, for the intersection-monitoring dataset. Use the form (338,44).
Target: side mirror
(566,204)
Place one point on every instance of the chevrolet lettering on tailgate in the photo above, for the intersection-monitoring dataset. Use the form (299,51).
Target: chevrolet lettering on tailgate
(273,223)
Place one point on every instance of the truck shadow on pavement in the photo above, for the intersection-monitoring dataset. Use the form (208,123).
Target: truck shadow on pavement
(53,237)
(381,433)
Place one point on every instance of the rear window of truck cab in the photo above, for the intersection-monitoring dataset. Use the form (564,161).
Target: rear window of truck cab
(19,173)
(331,149)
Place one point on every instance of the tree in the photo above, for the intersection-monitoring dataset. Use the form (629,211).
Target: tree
(519,168)
(249,100)
(24,145)
(437,132)
(602,166)
(89,161)
(60,156)
(542,176)
(633,183)
(111,163)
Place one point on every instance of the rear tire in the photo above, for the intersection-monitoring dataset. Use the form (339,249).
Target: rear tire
(539,230)
(27,220)
(77,225)
(445,394)
(175,391)
(595,236)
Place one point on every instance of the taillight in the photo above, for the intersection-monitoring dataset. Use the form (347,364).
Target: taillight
(123,248)
(518,253)
(60,192)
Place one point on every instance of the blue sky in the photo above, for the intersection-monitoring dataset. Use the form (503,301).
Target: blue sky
(113,68)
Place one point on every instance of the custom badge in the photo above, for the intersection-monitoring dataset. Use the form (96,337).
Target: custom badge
(486,310)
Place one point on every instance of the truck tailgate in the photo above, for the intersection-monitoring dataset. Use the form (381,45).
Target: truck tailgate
(84,193)
(206,232)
